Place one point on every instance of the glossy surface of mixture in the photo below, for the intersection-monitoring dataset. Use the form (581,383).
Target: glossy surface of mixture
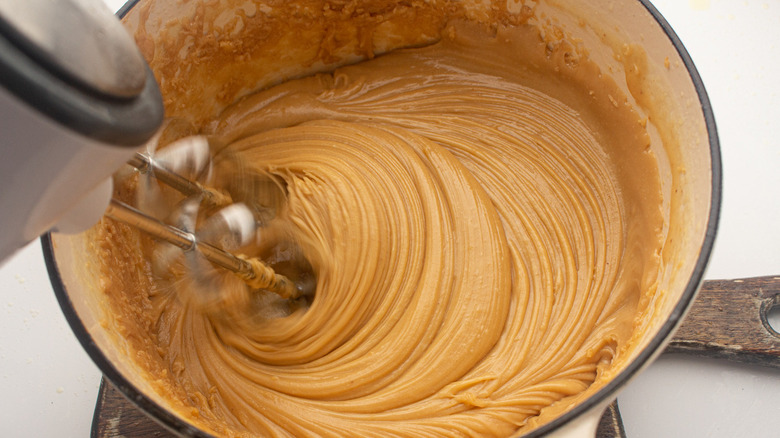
(483,220)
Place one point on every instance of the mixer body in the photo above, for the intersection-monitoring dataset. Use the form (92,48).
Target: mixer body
(76,101)
(50,177)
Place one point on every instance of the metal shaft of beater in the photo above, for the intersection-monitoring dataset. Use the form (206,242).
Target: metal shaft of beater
(253,271)
(145,164)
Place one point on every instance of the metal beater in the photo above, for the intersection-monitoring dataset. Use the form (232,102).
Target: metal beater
(256,273)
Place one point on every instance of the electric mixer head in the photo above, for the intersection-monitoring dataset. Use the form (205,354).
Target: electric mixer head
(78,101)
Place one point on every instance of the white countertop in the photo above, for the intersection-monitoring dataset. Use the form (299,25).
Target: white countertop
(48,385)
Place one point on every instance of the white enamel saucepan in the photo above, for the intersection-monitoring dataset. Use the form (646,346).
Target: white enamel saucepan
(681,122)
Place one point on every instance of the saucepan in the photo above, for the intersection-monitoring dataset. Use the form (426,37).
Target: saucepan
(627,39)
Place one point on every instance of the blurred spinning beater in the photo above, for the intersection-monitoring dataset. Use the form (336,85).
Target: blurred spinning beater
(207,222)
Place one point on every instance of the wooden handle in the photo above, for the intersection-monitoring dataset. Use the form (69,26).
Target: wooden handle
(116,417)
(728,320)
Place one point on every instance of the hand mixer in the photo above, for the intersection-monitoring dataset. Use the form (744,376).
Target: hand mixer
(77,101)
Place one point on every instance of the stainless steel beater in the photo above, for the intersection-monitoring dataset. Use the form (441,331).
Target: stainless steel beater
(253,271)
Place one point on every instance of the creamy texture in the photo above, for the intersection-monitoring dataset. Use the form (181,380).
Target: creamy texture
(483,220)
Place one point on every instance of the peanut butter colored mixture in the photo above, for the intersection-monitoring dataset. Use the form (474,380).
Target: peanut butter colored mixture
(482,216)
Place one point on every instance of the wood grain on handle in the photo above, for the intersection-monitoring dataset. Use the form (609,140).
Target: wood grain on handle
(611,423)
(116,417)
(728,320)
